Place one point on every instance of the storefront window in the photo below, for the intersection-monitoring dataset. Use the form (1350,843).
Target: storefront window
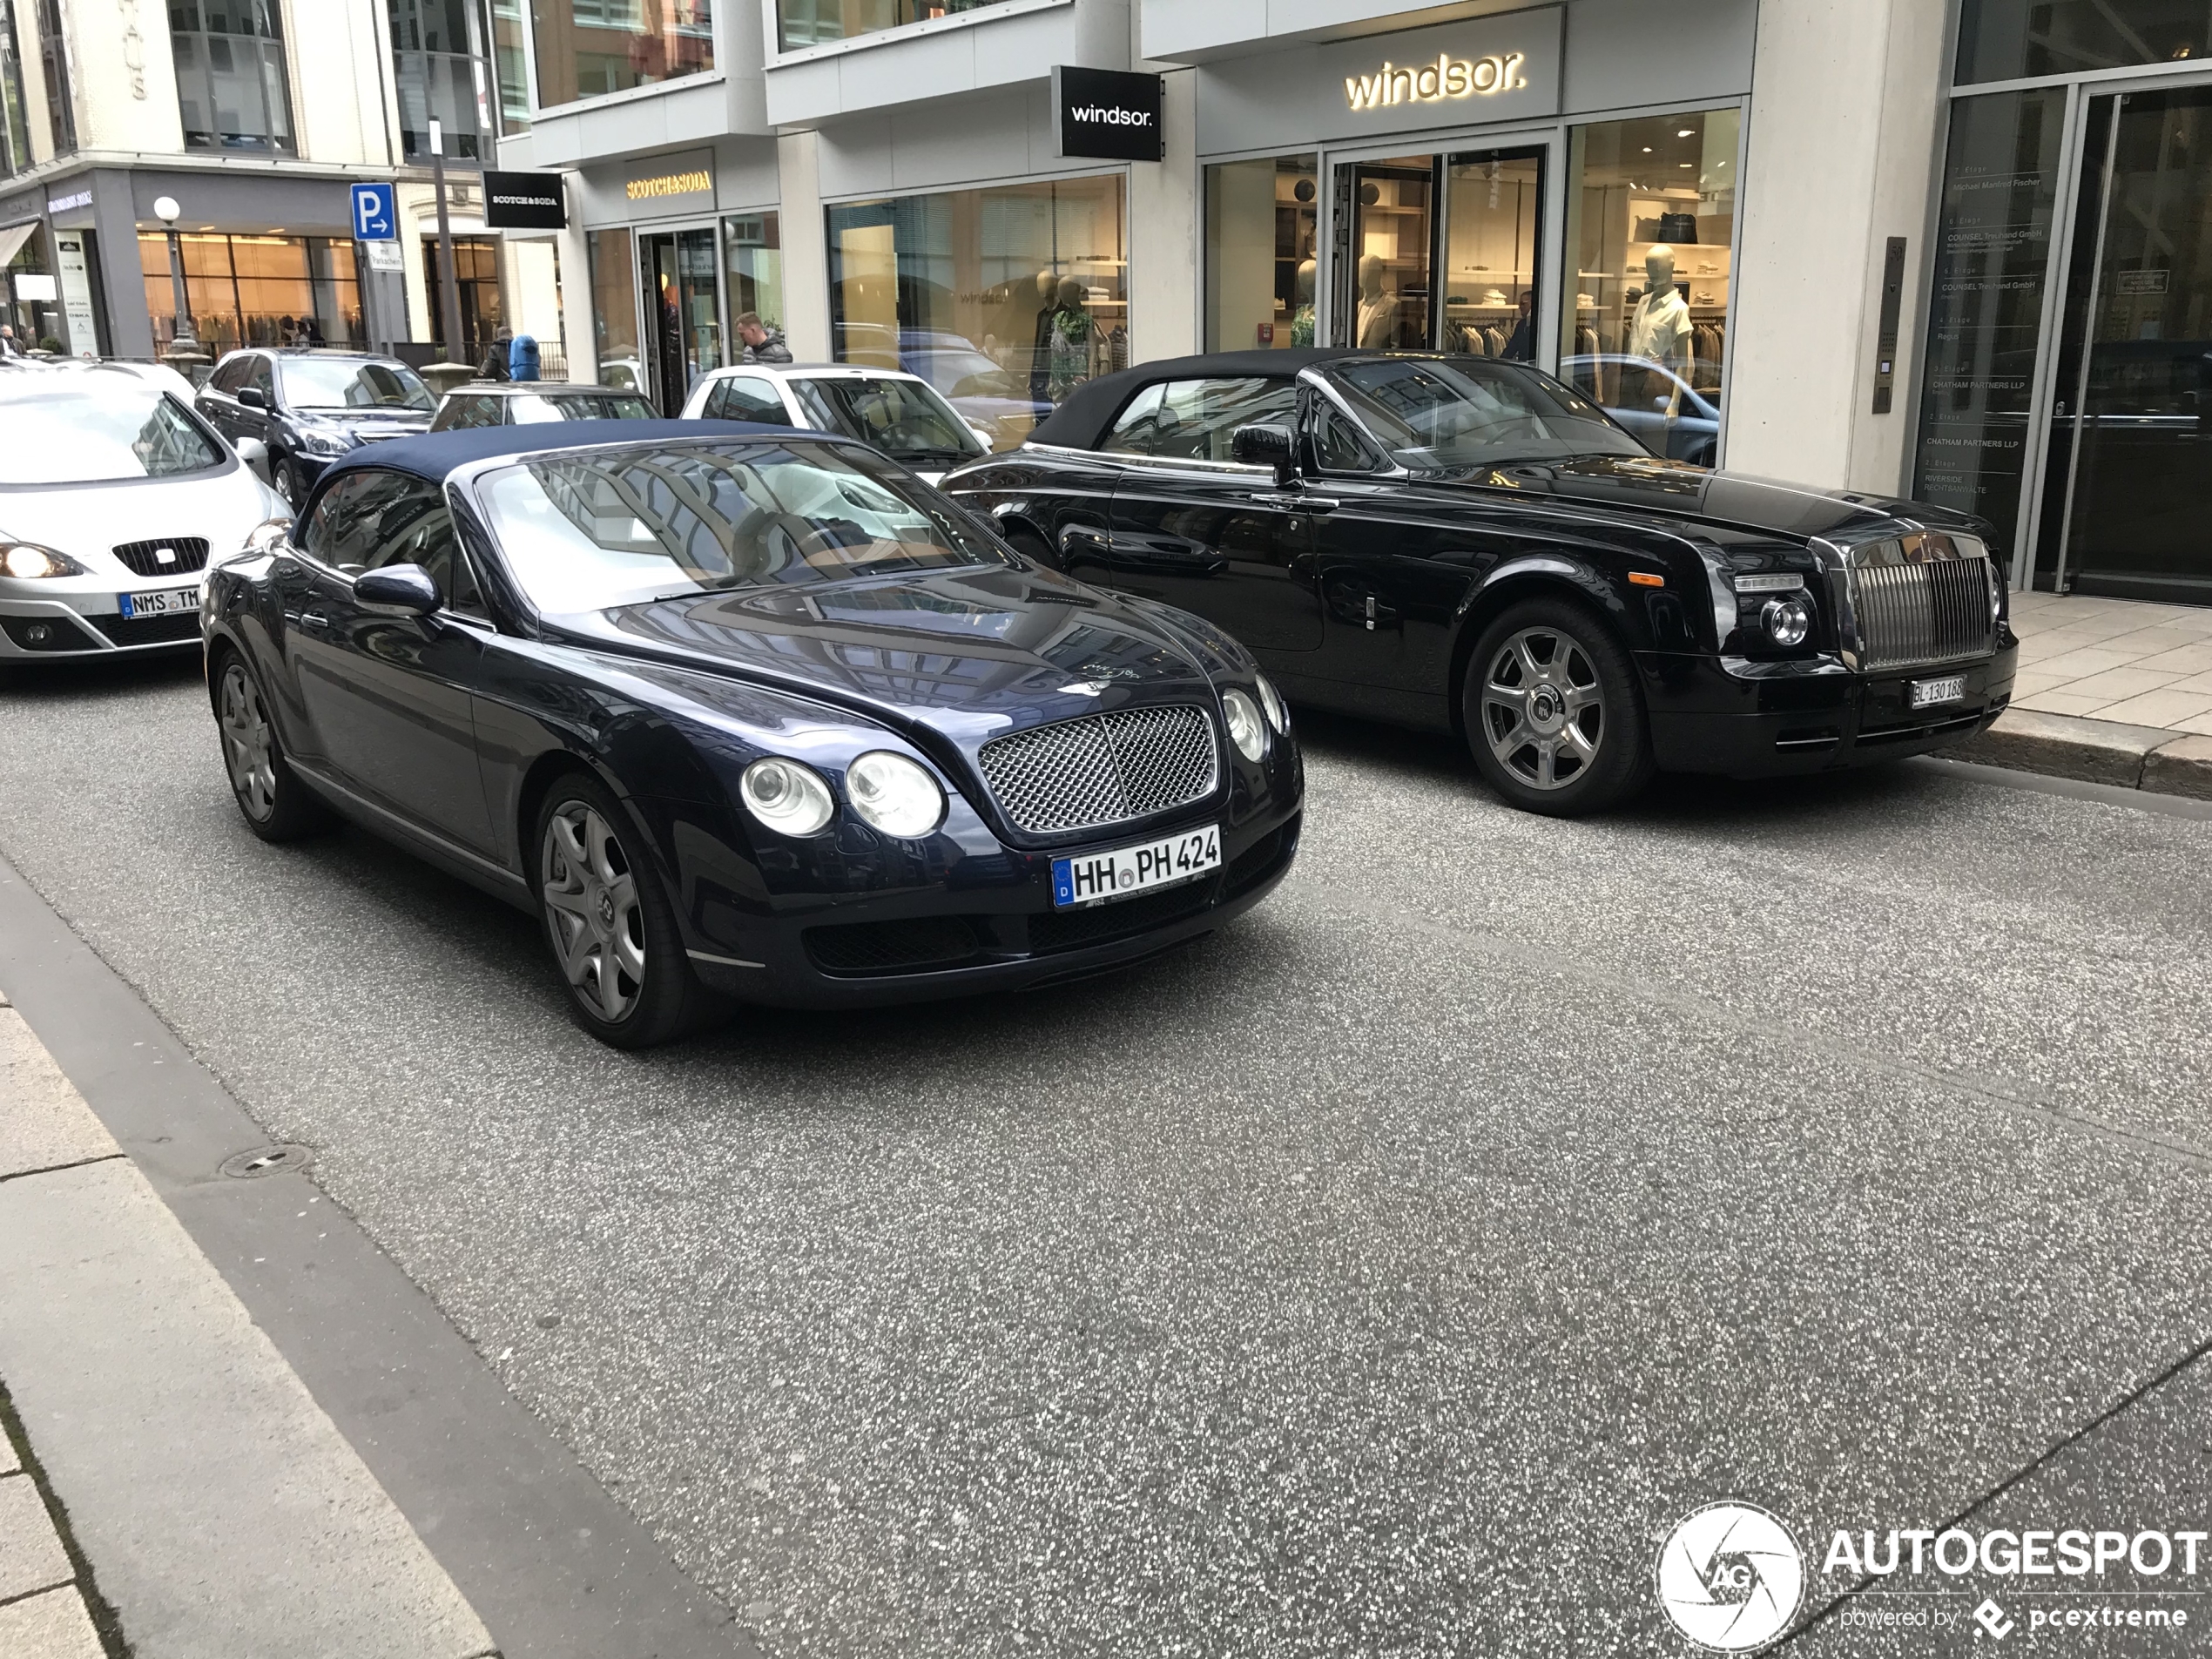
(1650,228)
(1986,312)
(475,268)
(438,69)
(2003,40)
(231,84)
(614,310)
(809,23)
(509,74)
(33,297)
(1261,219)
(588,48)
(753,263)
(255,290)
(1005,299)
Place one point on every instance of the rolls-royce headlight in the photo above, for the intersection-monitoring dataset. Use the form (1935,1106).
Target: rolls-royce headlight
(790,798)
(1278,712)
(894,794)
(1246,730)
(1786,621)
(26,563)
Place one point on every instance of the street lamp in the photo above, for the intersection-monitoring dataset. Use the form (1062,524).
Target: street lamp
(166,209)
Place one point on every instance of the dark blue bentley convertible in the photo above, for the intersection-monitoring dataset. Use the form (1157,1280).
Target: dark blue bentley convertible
(744,714)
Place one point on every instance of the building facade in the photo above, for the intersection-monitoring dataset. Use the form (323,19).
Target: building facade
(255,116)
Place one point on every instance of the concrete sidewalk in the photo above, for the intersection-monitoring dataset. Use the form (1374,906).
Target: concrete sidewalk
(2110,692)
(168,1487)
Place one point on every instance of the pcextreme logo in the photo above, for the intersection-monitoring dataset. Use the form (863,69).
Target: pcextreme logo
(1731,1578)
(1448,78)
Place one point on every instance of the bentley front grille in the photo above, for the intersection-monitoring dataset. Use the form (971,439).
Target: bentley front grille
(1921,600)
(1103,768)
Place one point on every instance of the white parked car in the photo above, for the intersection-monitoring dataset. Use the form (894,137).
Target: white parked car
(900,415)
(114,497)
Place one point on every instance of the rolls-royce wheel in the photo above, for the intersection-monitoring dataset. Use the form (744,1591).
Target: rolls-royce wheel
(278,806)
(612,931)
(1553,714)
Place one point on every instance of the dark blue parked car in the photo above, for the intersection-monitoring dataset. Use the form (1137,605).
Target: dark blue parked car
(746,713)
(309,407)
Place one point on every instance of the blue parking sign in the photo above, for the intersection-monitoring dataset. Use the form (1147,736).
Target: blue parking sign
(375,217)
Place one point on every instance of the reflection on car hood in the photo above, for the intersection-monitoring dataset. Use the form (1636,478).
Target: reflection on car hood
(968,654)
(1737,500)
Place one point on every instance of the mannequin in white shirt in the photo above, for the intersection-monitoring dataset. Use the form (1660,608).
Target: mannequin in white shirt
(1378,310)
(1660,330)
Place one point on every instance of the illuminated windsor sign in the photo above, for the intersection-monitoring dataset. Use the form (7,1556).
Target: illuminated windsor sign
(1448,78)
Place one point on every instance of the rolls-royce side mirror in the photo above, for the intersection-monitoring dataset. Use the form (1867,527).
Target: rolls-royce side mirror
(1264,445)
(399,587)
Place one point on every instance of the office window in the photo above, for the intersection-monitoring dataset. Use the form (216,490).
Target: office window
(1004,299)
(2003,40)
(231,80)
(441,74)
(15,126)
(810,23)
(510,74)
(53,56)
(590,48)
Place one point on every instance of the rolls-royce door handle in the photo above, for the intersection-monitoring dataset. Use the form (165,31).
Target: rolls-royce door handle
(1297,501)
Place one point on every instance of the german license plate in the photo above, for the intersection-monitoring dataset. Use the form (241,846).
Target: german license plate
(161,602)
(1099,878)
(1925,694)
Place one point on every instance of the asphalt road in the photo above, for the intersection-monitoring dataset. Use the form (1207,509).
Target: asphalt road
(1386,1275)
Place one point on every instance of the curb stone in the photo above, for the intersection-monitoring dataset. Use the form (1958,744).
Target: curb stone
(2097,751)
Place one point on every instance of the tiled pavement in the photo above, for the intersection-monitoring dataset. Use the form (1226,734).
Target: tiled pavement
(2114,659)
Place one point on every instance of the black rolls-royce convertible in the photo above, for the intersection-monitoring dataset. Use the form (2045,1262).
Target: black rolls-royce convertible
(743,713)
(1468,545)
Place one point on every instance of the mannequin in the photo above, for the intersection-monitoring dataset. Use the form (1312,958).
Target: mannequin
(1302,318)
(1073,336)
(1660,330)
(1378,310)
(1041,346)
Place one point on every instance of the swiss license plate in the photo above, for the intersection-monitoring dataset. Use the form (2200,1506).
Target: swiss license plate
(1099,878)
(161,602)
(1925,694)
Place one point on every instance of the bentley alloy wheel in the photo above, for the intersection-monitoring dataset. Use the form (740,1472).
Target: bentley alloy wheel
(593,910)
(249,752)
(1543,711)
(1552,711)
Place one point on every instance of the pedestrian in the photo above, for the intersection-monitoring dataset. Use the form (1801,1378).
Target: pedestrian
(9,345)
(494,368)
(762,343)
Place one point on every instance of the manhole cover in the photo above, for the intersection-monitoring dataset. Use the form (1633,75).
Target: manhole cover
(267,1160)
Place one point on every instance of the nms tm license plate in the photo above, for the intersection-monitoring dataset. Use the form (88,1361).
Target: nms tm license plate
(1099,878)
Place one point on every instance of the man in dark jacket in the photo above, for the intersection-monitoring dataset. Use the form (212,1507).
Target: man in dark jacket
(494,368)
(762,343)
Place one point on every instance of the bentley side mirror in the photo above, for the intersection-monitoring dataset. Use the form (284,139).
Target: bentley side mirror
(399,587)
(1264,446)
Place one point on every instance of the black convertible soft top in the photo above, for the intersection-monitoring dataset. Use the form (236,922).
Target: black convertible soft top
(1088,413)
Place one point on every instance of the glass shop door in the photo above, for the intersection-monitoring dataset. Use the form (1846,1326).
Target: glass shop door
(2131,424)
(1440,252)
(683,303)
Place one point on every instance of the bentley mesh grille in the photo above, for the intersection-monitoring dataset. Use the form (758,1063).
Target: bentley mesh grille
(1103,768)
(1912,615)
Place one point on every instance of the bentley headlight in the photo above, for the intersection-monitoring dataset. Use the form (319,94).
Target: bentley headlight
(1786,621)
(895,795)
(269,533)
(1246,730)
(26,563)
(788,798)
(1278,712)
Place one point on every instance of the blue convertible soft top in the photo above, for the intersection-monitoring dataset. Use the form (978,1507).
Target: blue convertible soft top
(433,455)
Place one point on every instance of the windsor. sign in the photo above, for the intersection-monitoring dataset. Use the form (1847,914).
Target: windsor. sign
(1108,113)
(1448,78)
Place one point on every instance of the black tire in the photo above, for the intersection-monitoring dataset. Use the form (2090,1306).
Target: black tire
(291,482)
(1581,742)
(615,941)
(277,806)
(1030,545)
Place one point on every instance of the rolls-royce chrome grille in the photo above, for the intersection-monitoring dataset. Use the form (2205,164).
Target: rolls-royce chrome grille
(1103,768)
(1922,599)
